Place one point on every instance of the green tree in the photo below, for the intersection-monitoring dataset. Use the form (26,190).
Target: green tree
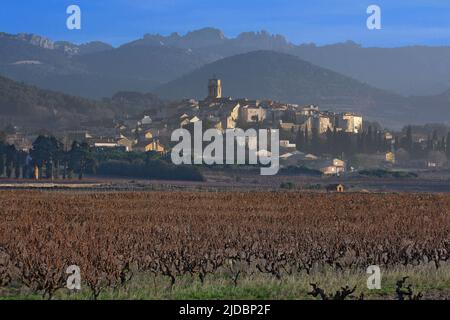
(2,158)
(315,141)
(81,158)
(329,143)
(11,154)
(447,145)
(300,140)
(408,139)
(46,152)
(306,146)
(19,166)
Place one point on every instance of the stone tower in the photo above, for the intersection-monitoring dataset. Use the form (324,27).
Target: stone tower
(215,88)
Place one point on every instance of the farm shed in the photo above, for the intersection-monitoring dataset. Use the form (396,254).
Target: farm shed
(335,188)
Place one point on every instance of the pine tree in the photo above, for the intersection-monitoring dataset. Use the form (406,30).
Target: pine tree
(315,141)
(329,143)
(370,140)
(307,149)
(409,139)
(447,146)
(300,140)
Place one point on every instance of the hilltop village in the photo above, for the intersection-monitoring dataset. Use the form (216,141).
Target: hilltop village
(326,142)
(152,132)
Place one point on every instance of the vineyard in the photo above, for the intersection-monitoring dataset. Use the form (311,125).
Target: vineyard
(114,237)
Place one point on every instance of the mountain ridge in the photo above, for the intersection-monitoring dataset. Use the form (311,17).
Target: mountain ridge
(97,70)
(286,78)
(392,69)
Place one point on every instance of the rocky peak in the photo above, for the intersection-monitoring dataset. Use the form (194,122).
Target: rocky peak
(36,40)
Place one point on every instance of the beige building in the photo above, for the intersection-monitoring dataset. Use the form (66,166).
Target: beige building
(333,167)
(322,123)
(287,144)
(126,143)
(390,157)
(231,113)
(215,108)
(215,89)
(253,114)
(309,111)
(152,145)
(349,122)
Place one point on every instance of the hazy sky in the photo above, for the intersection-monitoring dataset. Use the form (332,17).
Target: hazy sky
(404,22)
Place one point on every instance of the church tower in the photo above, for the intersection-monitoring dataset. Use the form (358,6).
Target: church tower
(215,88)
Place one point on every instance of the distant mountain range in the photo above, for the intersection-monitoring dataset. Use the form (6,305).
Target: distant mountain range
(93,70)
(155,59)
(346,76)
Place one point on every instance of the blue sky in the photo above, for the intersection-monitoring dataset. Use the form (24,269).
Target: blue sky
(404,22)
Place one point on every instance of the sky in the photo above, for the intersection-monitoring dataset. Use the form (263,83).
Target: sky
(404,22)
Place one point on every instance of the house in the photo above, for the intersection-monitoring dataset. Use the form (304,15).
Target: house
(321,123)
(126,143)
(155,146)
(102,144)
(253,114)
(293,158)
(310,157)
(184,122)
(194,119)
(431,164)
(149,146)
(338,163)
(330,170)
(145,121)
(390,157)
(286,144)
(331,167)
(436,159)
(335,188)
(349,122)
(388,136)
(230,115)
(150,134)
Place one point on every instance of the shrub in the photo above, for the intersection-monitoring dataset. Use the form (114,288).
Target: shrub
(301,170)
(381,173)
(153,169)
(287,185)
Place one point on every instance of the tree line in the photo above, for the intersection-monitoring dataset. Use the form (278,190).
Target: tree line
(373,140)
(340,143)
(48,158)
(420,149)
